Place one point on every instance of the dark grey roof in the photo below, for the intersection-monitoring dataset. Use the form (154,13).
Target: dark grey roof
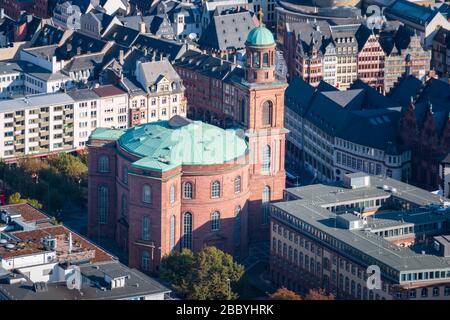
(158,25)
(360,115)
(443,36)
(446,159)
(298,95)
(347,30)
(131,86)
(105,19)
(436,92)
(204,64)
(168,48)
(48,35)
(406,87)
(79,43)
(122,35)
(362,35)
(325,86)
(8,67)
(84,62)
(411,11)
(228,30)
(372,99)
(311,34)
(136,285)
(82,94)
(444,8)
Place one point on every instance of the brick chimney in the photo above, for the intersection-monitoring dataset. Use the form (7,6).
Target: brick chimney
(121,57)
(142,27)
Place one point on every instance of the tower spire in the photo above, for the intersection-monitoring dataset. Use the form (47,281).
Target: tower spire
(261,14)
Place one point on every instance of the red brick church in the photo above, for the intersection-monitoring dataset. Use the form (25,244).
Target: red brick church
(185,183)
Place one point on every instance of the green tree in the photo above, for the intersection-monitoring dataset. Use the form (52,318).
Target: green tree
(177,268)
(17,198)
(207,275)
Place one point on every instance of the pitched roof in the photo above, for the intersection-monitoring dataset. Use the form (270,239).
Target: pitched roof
(152,72)
(170,49)
(79,43)
(411,11)
(108,91)
(407,87)
(205,64)
(122,35)
(227,30)
(158,25)
(359,115)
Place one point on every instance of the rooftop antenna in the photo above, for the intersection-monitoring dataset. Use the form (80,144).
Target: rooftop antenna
(70,242)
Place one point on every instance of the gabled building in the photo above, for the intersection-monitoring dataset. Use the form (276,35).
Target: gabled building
(97,24)
(404,55)
(157,25)
(225,35)
(344,37)
(371,59)
(311,47)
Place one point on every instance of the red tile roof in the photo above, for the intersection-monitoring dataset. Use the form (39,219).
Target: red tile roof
(28,212)
(108,91)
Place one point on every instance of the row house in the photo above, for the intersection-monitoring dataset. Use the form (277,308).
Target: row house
(344,37)
(341,54)
(164,92)
(404,55)
(310,54)
(370,59)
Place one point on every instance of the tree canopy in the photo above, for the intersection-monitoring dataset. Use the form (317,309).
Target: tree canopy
(313,294)
(17,198)
(206,275)
(52,181)
(285,294)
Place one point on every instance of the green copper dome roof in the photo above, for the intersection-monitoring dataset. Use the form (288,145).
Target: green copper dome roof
(164,145)
(260,36)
